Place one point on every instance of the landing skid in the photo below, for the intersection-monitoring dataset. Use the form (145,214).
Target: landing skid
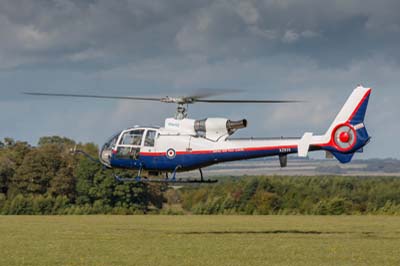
(177,181)
(172,180)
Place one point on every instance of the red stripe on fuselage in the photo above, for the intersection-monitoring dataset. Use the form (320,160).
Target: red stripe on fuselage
(265,148)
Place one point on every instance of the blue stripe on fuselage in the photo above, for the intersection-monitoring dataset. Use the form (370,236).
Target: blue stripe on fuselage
(190,161)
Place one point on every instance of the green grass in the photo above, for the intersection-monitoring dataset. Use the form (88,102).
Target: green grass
(199,240)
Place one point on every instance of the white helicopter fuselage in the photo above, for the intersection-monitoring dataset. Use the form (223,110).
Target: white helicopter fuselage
(186,144)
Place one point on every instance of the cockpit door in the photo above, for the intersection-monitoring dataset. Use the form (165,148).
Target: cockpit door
(149,141)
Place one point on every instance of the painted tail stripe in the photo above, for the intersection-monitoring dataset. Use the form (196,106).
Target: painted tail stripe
(359,105)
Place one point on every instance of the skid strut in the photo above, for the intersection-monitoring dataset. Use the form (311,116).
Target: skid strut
(138,178)
(175,180)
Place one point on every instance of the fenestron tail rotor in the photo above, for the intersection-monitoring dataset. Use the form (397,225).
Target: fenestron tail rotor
(201,96)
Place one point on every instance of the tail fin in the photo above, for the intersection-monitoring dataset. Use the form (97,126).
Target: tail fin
(348,134)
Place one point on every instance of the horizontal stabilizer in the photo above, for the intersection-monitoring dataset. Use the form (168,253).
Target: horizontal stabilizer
(304,144)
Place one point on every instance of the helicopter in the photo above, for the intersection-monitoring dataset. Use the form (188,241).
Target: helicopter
(185,144)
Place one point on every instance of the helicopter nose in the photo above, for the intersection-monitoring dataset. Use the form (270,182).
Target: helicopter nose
(105,157)
(105,154)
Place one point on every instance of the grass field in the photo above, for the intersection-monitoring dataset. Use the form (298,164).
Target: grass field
(199,240)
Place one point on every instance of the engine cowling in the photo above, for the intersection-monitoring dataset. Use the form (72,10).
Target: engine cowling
(214,128)
(211,128)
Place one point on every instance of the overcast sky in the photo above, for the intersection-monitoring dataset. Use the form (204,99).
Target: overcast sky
(275,49)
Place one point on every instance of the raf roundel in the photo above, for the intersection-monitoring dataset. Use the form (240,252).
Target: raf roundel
(171,153)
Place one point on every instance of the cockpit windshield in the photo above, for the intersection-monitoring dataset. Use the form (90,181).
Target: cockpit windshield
(127,145)
(106,151)
(112,141)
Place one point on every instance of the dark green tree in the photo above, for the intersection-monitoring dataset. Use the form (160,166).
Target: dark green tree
(56,140)
(7,169)
(84,173)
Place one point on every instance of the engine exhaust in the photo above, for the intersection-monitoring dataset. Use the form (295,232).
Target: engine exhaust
(234,125)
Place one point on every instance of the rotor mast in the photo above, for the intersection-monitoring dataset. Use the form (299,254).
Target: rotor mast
(183,105)
(181,111)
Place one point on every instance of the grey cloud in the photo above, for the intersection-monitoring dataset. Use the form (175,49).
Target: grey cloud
(97,34)
(104,32)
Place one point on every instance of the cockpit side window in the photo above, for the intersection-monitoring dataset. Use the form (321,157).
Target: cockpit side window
(150,138)
(133,137)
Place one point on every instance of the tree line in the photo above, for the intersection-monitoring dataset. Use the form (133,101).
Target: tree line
(316,195)
(48,179)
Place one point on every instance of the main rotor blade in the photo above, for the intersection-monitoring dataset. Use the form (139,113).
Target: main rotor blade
(180,100)
(208,92)
(93,96)
(247,101)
